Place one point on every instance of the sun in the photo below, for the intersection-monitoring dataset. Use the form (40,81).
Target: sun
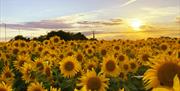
(136,24)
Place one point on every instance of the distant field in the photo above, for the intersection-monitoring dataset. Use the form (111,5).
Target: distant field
(90,65)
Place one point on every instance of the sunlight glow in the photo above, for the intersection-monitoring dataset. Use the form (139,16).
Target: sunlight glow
(136,24)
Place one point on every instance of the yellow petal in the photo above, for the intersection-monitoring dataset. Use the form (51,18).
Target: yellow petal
(160,89)
(176,84)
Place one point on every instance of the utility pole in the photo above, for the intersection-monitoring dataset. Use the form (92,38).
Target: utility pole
(93,35)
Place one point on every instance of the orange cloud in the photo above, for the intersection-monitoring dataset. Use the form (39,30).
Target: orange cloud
(178,19)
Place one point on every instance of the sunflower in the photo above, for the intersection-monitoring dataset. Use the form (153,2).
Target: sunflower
(90,65)
(46,42)
(45,52)
(69,66)
(21,59)
(79,56)
(89,51)
(164,46)
(23,44)
(93,82)
(28,73)
(36,87)
(121,58)
(125,66)
(7,75)
(123,75)
(15,50)
(162,72)
(133,65)
(55,40)
(144,58)
(1,55)
(39,64)
(176,86)
(5,87)
(47,70)
(39,48)
(16,43)
(109,66)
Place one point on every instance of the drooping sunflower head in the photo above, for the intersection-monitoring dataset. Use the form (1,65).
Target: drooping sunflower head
(79,56)
(36,87)
(69,66)
(28,73)
(109,66)
(162,72)
(93,82)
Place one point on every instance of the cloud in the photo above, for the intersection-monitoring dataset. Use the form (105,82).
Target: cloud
(43,24)
(111,22)
(178,19)
(128,2)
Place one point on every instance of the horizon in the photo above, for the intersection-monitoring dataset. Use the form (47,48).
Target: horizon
(117,19)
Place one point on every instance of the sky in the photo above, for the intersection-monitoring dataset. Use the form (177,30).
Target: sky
(110,19)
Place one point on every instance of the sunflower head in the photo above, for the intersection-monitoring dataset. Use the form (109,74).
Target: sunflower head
(5,87)
(93,82)
(36,87)
(69,66)
(109,66)
(162,72)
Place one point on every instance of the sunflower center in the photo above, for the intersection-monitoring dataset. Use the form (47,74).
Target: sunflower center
(16,44)
(79,57)
(126,66)
(121,75)
(40,66)
(69,66)
(15,51)
(94,83)
(48,71)
(110,65)
(116,48)
(145,57)
(70,53)
(21,62)
(103,52)
(163,47)
(90,66)
(3,89)
(121,58)
(8,75)
(167,72)
(56,40)
(37,89)
(22,44)
(89,51)
(133,65)
(40,49)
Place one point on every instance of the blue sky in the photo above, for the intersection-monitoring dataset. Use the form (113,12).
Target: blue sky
(39,16)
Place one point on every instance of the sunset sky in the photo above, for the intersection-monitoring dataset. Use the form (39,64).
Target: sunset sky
(110,19)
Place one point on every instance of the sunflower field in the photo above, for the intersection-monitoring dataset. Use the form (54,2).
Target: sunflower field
(90,65)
